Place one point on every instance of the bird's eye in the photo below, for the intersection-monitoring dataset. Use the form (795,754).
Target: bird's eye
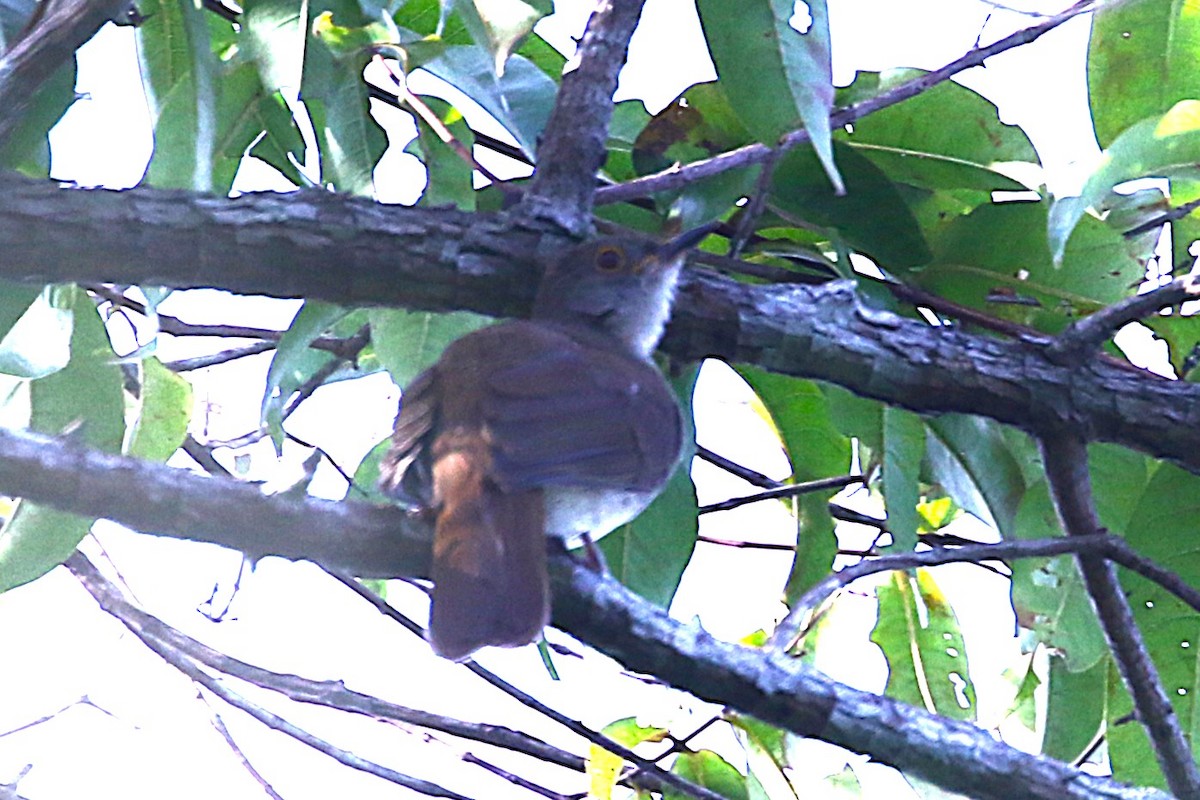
(609,258)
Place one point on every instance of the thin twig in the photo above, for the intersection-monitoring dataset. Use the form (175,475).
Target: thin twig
(733,468)
(219,726)
(216,359)
(758,201)
(435,124)
(790,630)
(679,176)
(655,776)
(107,598)
(1179,212)
(791,490)
(1065,459)
(1090,332)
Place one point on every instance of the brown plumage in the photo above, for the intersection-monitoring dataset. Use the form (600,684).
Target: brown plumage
(560,425)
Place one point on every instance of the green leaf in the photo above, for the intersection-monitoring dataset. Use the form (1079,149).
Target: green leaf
(28,146)
(776,77)
(38,343)
(707,769)
(181,77)
(87,397)
(802,195)
(450,178)
(1074,708)
(604,768)
(166,410)
(903,448)
(803,416)
(409,342)
(1097,268)
(349,141)
(1048,595)
(1161,529)
(1130,754)
(969,458)
(520,100)
(1142,59)
(649,553)
(947,137)
(1161,146)
(292,364)
(274,33)
(920,637)
(498,25)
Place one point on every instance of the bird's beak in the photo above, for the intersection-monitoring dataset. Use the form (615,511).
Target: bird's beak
(682,242)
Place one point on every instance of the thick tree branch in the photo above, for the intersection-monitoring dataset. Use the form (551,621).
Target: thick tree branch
(573,143)
(382,542)
(782,691)
(1065,459)
(368,541)
(314,244)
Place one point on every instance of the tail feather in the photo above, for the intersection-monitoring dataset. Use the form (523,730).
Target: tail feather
(489,556)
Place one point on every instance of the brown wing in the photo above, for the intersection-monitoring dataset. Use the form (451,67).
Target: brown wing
(566,412)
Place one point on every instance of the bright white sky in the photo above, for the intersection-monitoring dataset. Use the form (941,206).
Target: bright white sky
(150,736)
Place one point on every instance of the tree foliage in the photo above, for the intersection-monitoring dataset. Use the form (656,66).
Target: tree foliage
(891,237)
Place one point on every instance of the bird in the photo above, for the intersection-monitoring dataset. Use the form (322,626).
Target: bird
(559,425)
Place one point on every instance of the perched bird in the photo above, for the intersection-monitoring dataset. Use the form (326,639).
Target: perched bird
(556,426)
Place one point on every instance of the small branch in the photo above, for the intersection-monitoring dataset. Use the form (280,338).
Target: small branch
(758,202)
(790,630)
(733,468)
(435,124)
(573,142)
(791,490)
(105,595)
(216,359)
(679,176)
(1065,460)
(1179,212)
(1089,333)
(177,327)
(654,777)
(219,726)
(370,541)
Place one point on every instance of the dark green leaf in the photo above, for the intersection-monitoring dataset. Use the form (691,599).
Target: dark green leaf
(449,176)
(408,342)
(86,397)
(970,269)
(1161,146)
(1074,708)
(520,100)
(903,448)
(775,76)
(970,460)
(274,34)
(801,193)
(38,343)
(498,25)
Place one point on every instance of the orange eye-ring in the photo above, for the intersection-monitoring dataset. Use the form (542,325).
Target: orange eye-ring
(609,258)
